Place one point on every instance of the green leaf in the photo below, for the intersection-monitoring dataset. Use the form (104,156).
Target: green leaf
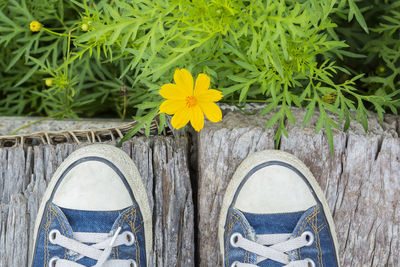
(276,61)
(364,121)
(144,121)
(27,75)
(246,65)
(162,124)
(310,111)
(238,79)
(243,93)
(321,120)
(352,54)
(130,35)
(147,105)
(131,133)
(268,108)
(274,119)
(289,115)
(347,121)
(329,135)
(359,17)
(283,40)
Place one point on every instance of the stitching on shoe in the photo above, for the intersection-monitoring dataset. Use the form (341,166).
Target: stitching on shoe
(46,236)
(134,231)
(245,230)
(131,222)
(321,227)
(63,228)
(319,242)
(232,223)
(120,222)
(313,222)
(115,250)
(304,224)
(301,230)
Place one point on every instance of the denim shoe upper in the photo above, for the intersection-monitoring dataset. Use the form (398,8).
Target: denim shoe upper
(274,216)
(321,251)
(68,222)
(95,212)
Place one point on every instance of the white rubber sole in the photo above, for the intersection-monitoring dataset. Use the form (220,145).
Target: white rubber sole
(256,159)
(128,168)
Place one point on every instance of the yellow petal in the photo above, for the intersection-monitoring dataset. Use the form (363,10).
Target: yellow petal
(210,95)
(171,106)
(181,118)
(172,91)
(197,118)
(202,84)
(184,80)
(211,110)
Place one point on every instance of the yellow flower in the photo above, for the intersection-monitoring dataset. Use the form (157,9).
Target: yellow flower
(188,103)
(35,26)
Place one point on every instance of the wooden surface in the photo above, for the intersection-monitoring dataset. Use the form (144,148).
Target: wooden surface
(10,124)
(162,163)
(361,181)
(40,131)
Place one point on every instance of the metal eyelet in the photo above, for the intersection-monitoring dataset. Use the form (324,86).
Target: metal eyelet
(53,261)
(235,264)
(309,237)
(130,238)
(234,239)
(132,263)
(53,235)
(310,262)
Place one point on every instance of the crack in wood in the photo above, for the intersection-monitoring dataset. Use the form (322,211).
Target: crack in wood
(361,181)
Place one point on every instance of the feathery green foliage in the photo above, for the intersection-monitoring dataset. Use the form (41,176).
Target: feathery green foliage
(109,58)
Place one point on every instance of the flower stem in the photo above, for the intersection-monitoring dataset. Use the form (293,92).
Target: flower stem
(124,112)
(59,34)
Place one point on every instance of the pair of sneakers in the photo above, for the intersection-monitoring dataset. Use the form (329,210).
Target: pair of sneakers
(95,212)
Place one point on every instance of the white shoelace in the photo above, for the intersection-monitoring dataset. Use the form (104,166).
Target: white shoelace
(100,250)
(274,247)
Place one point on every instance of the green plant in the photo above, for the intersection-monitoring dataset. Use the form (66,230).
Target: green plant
(281,52)
(377,52)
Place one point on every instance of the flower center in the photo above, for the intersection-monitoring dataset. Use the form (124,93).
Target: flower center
(191,101)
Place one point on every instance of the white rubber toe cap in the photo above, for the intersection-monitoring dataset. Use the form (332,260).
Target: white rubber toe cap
(274,189)
(92,185)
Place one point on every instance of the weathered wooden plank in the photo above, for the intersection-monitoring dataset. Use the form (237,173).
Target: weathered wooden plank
(9,124)
(221,148)
(50,131)
(362,184)
(162,163)
(361,181)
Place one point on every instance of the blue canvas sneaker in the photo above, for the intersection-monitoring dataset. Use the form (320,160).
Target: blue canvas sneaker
(95,212)
(275,214)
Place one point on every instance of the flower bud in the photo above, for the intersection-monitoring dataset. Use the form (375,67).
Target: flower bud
(85,27)
(35,26)
(48,82)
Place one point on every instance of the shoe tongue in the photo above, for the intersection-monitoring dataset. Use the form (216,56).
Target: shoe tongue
(280,223)
(91,221)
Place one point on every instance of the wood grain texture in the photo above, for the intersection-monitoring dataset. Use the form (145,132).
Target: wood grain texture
(163,165)
(361,181)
